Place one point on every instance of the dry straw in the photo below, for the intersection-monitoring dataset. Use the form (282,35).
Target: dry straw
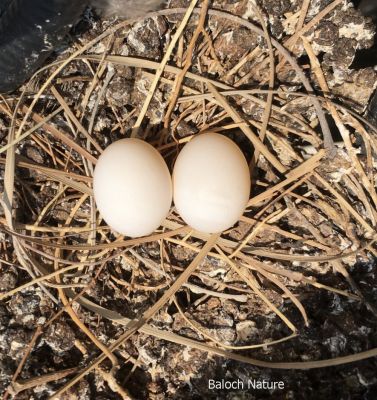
(50,253)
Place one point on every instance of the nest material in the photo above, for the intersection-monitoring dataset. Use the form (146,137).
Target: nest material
(312,213)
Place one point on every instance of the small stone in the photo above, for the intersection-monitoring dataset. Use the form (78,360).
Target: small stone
(8,281)
(23,304)
(34,153)
(245,330)
(60,337)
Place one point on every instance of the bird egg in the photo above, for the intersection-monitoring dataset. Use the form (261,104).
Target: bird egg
(211,183)
(132,187)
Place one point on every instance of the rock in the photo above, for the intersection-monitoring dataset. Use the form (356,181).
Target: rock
(60,337)
(8,280)
(25,309)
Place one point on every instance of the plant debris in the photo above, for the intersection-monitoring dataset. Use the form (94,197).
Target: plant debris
(287,292)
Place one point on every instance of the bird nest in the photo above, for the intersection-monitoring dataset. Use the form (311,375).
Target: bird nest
(310,218)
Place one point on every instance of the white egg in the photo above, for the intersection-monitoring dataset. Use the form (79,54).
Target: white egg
(132,187)
(211,183)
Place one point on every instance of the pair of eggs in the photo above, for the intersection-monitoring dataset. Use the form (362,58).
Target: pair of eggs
(133,188)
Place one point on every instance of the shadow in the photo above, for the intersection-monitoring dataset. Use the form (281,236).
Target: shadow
(338,327)
(366,58)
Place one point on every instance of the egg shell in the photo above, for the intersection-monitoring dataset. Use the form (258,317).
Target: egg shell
(211,183)
(132,187)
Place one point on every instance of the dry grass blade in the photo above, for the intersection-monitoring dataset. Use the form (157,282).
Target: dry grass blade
(316,68)
(187,64)
(293,275)
(50,172)
(21,385)
(16,387)
(115,387)
(73,118)
(306,168)
(65,301)
(254,139)
(31,130)
(342,201)
(303,13)
(201,331)
(287,292)
(271,83)
(162,334)
(63,137)
(288,257)
(187,14)
(134,325)
(313,22)
(264,298)
(226,243)
(103,246)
